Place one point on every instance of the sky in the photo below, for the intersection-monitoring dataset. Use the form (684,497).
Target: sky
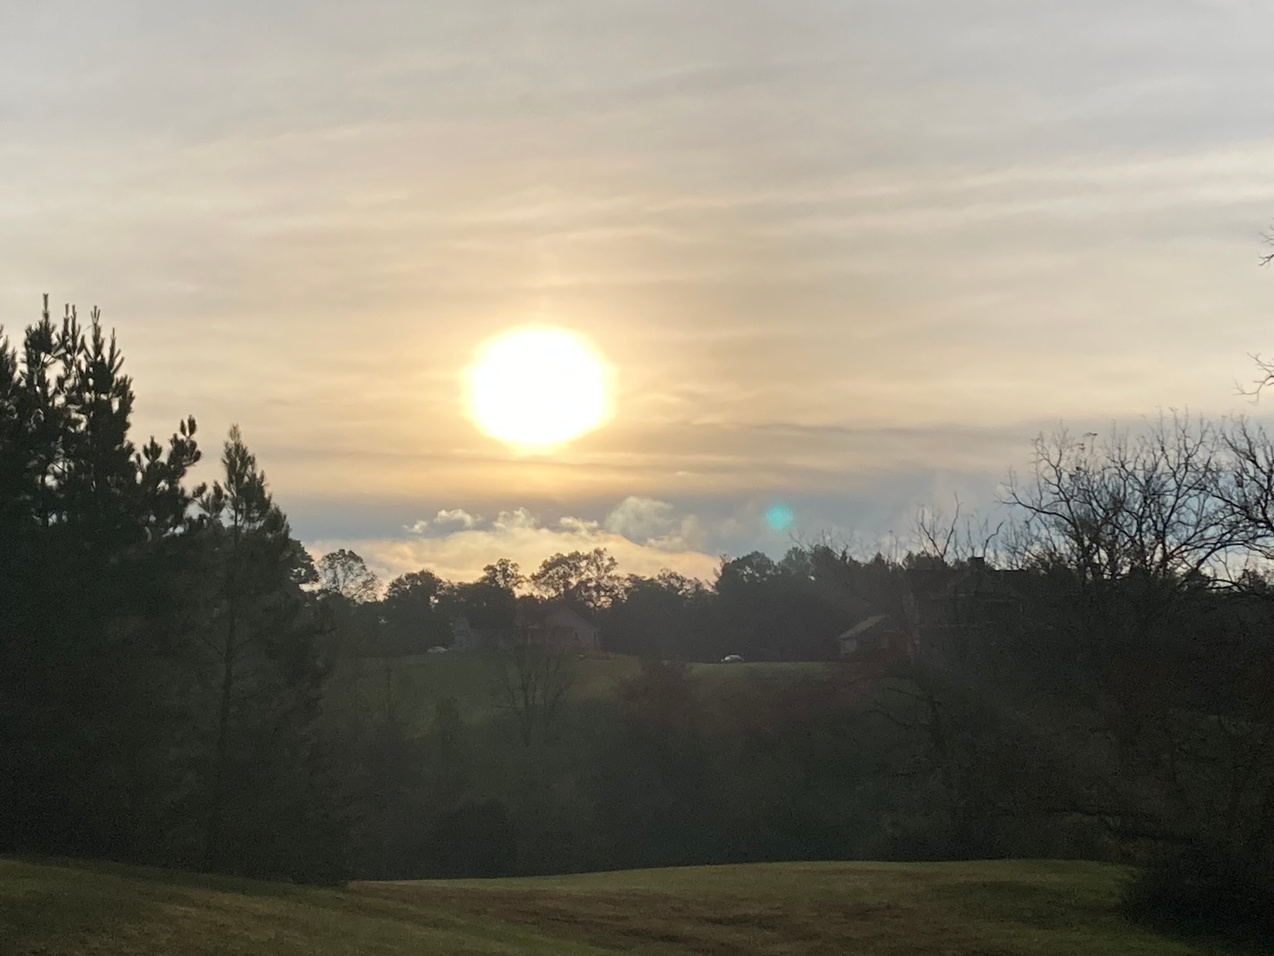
(844,258)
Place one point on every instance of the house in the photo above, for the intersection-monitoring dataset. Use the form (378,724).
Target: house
(942,612)
(467,638)
(877,639)
(869,636)
(559,626)
(951,604)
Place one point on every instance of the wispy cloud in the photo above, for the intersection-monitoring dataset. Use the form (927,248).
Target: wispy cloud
(831,248)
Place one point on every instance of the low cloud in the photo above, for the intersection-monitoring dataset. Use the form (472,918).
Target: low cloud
(655,524)
(443,519)
(640,518)
(644,535)
(456,516)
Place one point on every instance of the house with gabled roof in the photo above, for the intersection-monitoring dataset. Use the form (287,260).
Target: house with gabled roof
(942,613)
(558,625)
(561,626)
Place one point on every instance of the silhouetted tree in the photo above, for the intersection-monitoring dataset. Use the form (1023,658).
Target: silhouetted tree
(268,799)
(587,577)
(532,683)
(483,603)
(82,515)
(659,618)
(345,573)
(503,574)
(769,611)
(415,613)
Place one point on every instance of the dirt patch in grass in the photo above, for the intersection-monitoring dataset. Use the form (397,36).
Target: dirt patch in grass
(715,926)
(1009,909)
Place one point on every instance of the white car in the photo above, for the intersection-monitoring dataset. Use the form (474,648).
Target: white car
(437,649)
(732,659)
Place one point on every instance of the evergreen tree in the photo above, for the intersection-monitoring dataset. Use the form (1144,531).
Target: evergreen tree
(159,678)
(81,515)
(268,809)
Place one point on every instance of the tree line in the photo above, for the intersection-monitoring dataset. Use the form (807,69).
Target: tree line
(763,610)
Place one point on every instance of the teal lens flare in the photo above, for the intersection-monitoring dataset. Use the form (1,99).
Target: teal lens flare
(779,517)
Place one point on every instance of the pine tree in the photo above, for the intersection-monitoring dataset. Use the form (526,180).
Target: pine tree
(159,672)
(268,804)
(78,509)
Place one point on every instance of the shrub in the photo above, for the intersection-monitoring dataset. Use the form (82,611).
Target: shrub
(1205,890)
(474,839)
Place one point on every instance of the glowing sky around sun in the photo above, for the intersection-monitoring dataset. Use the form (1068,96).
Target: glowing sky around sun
(840,259)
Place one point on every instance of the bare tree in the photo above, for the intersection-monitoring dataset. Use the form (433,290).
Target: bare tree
(959,537)
(532,682)
(1264,367)
(1152,503)
(1144,532)
(1248,492)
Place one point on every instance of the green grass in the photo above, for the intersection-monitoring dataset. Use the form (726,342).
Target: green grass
(417,683)
(766,672)
(995,909)
(65,910)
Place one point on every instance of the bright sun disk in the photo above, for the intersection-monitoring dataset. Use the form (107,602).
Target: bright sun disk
(536,388)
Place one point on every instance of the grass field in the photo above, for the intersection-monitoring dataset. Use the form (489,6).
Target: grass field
(417,683)
(870,909)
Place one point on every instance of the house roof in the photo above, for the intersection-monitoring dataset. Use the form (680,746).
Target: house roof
(945,580)
(535,616)
(862,627)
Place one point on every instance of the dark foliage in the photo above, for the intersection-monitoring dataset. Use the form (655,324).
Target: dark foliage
(1206,890)
(474,839)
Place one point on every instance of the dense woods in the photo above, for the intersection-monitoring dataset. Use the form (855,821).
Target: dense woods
(180,683)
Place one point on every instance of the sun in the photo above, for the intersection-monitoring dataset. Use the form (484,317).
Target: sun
(536,388)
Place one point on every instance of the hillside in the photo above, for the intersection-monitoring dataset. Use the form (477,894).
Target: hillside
(415,684)
(1018,908)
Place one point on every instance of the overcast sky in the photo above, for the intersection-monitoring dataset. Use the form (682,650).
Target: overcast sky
(847,257)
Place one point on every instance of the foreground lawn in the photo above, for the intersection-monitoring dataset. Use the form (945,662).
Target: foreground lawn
(994,909)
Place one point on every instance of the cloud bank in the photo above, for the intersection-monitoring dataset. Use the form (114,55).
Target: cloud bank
(643,535)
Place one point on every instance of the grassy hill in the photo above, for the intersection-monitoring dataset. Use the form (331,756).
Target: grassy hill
(870,909)
(417,683)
